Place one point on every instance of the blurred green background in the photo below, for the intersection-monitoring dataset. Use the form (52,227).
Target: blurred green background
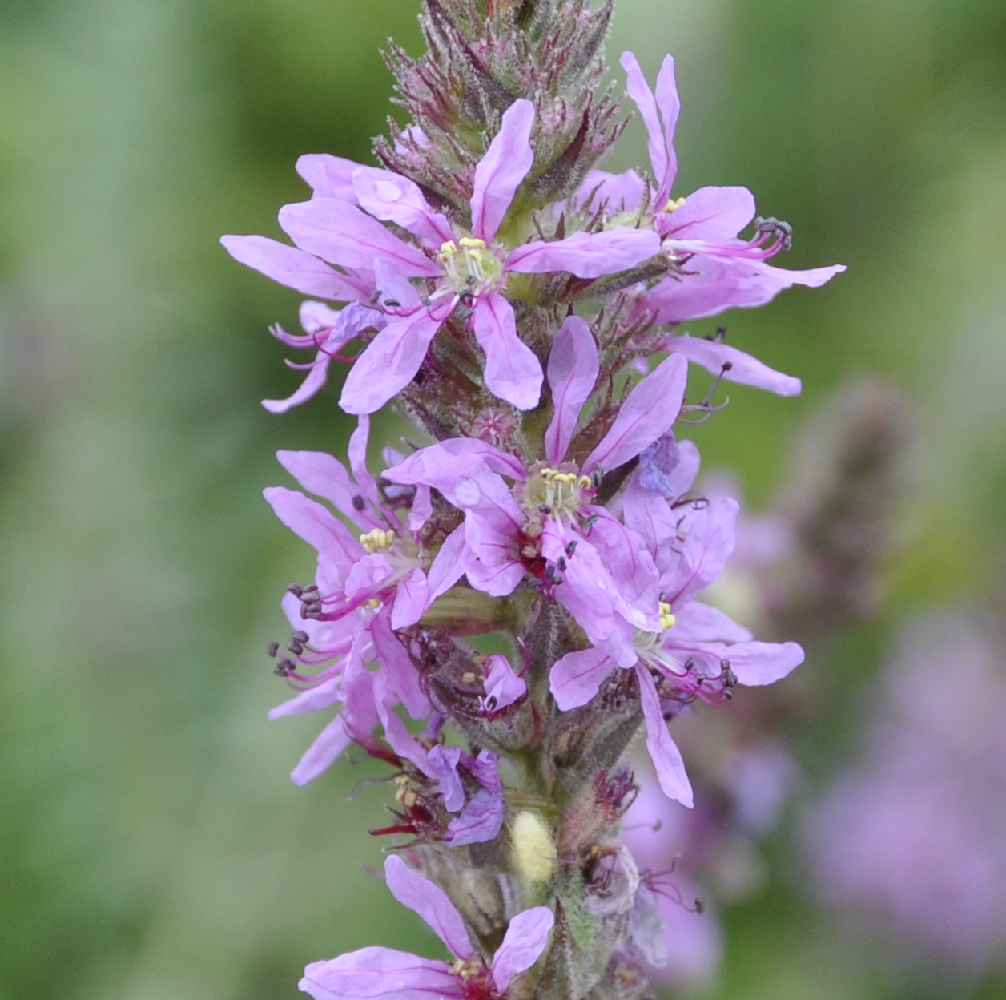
(153,847)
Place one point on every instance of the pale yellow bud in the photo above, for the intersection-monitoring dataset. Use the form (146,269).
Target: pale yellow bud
(533,851)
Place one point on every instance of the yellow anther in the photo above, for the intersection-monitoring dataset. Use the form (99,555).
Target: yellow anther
(674,204)
(377,540)
(547,473)
(373,603)
(467,968)
(404,787)
(471,243)
(666,618)
(448,249)
(584,482)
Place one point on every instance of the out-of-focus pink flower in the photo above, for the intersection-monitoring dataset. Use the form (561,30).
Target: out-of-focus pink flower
(916,830)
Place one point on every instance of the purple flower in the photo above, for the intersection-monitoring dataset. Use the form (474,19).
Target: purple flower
(503,686)
(545,526)
(344,226)
(366,587)
(328,332)
(481,814)
(384,972)
(715,269)
(913,831)
(695,651)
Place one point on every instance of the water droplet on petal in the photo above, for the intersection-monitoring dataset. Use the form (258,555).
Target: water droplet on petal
(468,492)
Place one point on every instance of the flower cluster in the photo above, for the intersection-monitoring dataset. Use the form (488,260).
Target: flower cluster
(500,611)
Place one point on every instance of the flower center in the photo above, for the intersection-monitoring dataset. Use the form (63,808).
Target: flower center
(377,540)
(648,643)
(666,618)
(555,492)
(467,968)
(469,266)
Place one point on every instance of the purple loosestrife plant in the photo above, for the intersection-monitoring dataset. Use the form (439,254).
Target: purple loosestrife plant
(522,309)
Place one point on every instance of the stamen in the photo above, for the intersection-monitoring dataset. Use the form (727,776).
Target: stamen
(666,618)
(469,267)
(377,540)
(773,229)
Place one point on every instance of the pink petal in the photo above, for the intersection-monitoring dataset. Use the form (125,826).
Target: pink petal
(709,287)
(494,570)
(397,667)
(393,287)
(323,752)
(587,255)
(344,327)
(651,409)
(325,476)
(758,663)
(619,192)
(427,899)
(712,214)
(480,821)
(660,144)
(669,105)
(316,316)
(368,576)
(706,548)
(389,362)
(573,365)
(357,455)
(744,369)
(328,176)
(422,505)
(502,685)
(699,622)
(442,465)
(522,946)
(448,566)
(343,235)
(412,598)
(393,198)
(576,677)
(316,525)
(589,594)
(291,267)
(500,172)
(512,371)
(627,560)
(312,700)
(649,515)
(317,376)
(375,972)
(662,749)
